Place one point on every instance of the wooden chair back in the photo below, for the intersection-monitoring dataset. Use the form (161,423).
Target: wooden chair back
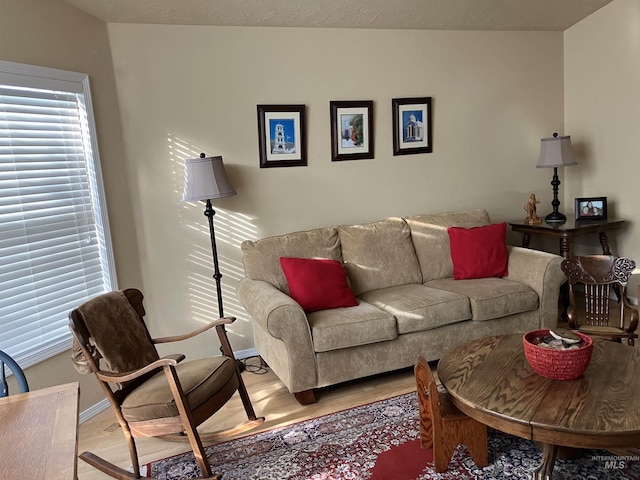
(600,276)
(442,426)
(428,402)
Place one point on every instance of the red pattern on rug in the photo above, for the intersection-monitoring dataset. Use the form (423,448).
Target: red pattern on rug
(407,460)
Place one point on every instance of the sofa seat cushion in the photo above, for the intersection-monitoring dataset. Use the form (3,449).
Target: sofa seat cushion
(200,380)
(349,327)
(491,297)
(379,255)
(418,307)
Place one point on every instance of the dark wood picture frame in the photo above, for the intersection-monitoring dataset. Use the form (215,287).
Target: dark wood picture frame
(591,208)
(351,130)
(282,136)
(412,125)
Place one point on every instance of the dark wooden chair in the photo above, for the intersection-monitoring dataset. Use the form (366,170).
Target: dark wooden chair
(153,396)
(442,426)
(21,379)
(598,275)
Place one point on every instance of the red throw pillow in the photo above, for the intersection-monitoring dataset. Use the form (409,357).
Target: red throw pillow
(317,284)
(479,252)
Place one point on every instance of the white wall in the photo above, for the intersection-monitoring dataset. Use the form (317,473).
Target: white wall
(185,90)
(602,114)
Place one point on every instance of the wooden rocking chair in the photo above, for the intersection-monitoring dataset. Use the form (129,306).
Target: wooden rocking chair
(443,426)
(153,396)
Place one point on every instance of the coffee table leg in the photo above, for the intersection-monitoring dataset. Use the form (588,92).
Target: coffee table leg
(545,470)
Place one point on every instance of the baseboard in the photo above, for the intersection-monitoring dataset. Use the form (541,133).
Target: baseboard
(93,410)
(103,404)
(242,354)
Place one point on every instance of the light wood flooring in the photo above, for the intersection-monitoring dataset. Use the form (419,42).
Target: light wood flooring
(102,435)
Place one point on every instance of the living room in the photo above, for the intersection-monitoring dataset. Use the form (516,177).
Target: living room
(164,93)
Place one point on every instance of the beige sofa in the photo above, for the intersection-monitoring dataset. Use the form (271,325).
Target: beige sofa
(401,271)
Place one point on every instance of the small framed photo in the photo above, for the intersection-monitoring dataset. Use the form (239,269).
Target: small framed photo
(412,132)
(591,208)
(282,136)
(351,130)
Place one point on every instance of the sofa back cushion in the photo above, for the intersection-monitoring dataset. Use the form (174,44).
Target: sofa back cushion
(261,258)
(379,255)
(431,240)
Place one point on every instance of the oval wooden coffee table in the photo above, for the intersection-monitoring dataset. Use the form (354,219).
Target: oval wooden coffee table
(490,380)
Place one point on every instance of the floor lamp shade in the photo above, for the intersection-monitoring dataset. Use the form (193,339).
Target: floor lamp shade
(205,178)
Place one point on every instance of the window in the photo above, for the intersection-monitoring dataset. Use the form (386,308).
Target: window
(55,247)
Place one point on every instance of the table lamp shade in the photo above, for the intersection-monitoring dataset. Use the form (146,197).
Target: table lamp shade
(205,178)
(556,152)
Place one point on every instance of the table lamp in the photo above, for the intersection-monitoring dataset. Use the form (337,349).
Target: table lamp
(555,152)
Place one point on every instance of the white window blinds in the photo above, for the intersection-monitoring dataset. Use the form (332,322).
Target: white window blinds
(55,250)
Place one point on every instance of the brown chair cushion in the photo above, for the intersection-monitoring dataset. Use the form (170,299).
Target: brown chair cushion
(118,332)
(201,380)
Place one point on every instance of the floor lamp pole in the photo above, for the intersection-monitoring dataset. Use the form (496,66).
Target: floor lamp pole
(217,276)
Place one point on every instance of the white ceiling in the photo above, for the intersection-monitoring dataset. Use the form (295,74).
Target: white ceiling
(555,15)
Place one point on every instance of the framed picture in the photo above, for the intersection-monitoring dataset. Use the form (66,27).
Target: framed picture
(282,136)
(351,130)
(412,125)
(591,208)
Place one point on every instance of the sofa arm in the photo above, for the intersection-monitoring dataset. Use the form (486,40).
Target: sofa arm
(275,311)
(284,322)
(541,271)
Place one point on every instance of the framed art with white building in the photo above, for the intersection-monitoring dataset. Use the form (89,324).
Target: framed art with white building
(412,132)
(351,130)
(281,136)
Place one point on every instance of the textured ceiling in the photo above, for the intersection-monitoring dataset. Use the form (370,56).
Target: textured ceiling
(402,14)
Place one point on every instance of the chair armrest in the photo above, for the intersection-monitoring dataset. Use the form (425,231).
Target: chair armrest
(122,377)
(541,271)
(178,338)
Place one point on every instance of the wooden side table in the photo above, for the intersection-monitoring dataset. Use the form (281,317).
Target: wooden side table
(569,230)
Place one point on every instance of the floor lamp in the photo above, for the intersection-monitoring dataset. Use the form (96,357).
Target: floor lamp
(206,179)
(555,152)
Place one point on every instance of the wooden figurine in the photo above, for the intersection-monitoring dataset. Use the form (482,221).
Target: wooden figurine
(530,208)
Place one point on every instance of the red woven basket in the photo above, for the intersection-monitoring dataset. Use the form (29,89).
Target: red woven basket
(557,364)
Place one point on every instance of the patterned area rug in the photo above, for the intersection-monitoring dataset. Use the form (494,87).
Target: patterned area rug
(378,441)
